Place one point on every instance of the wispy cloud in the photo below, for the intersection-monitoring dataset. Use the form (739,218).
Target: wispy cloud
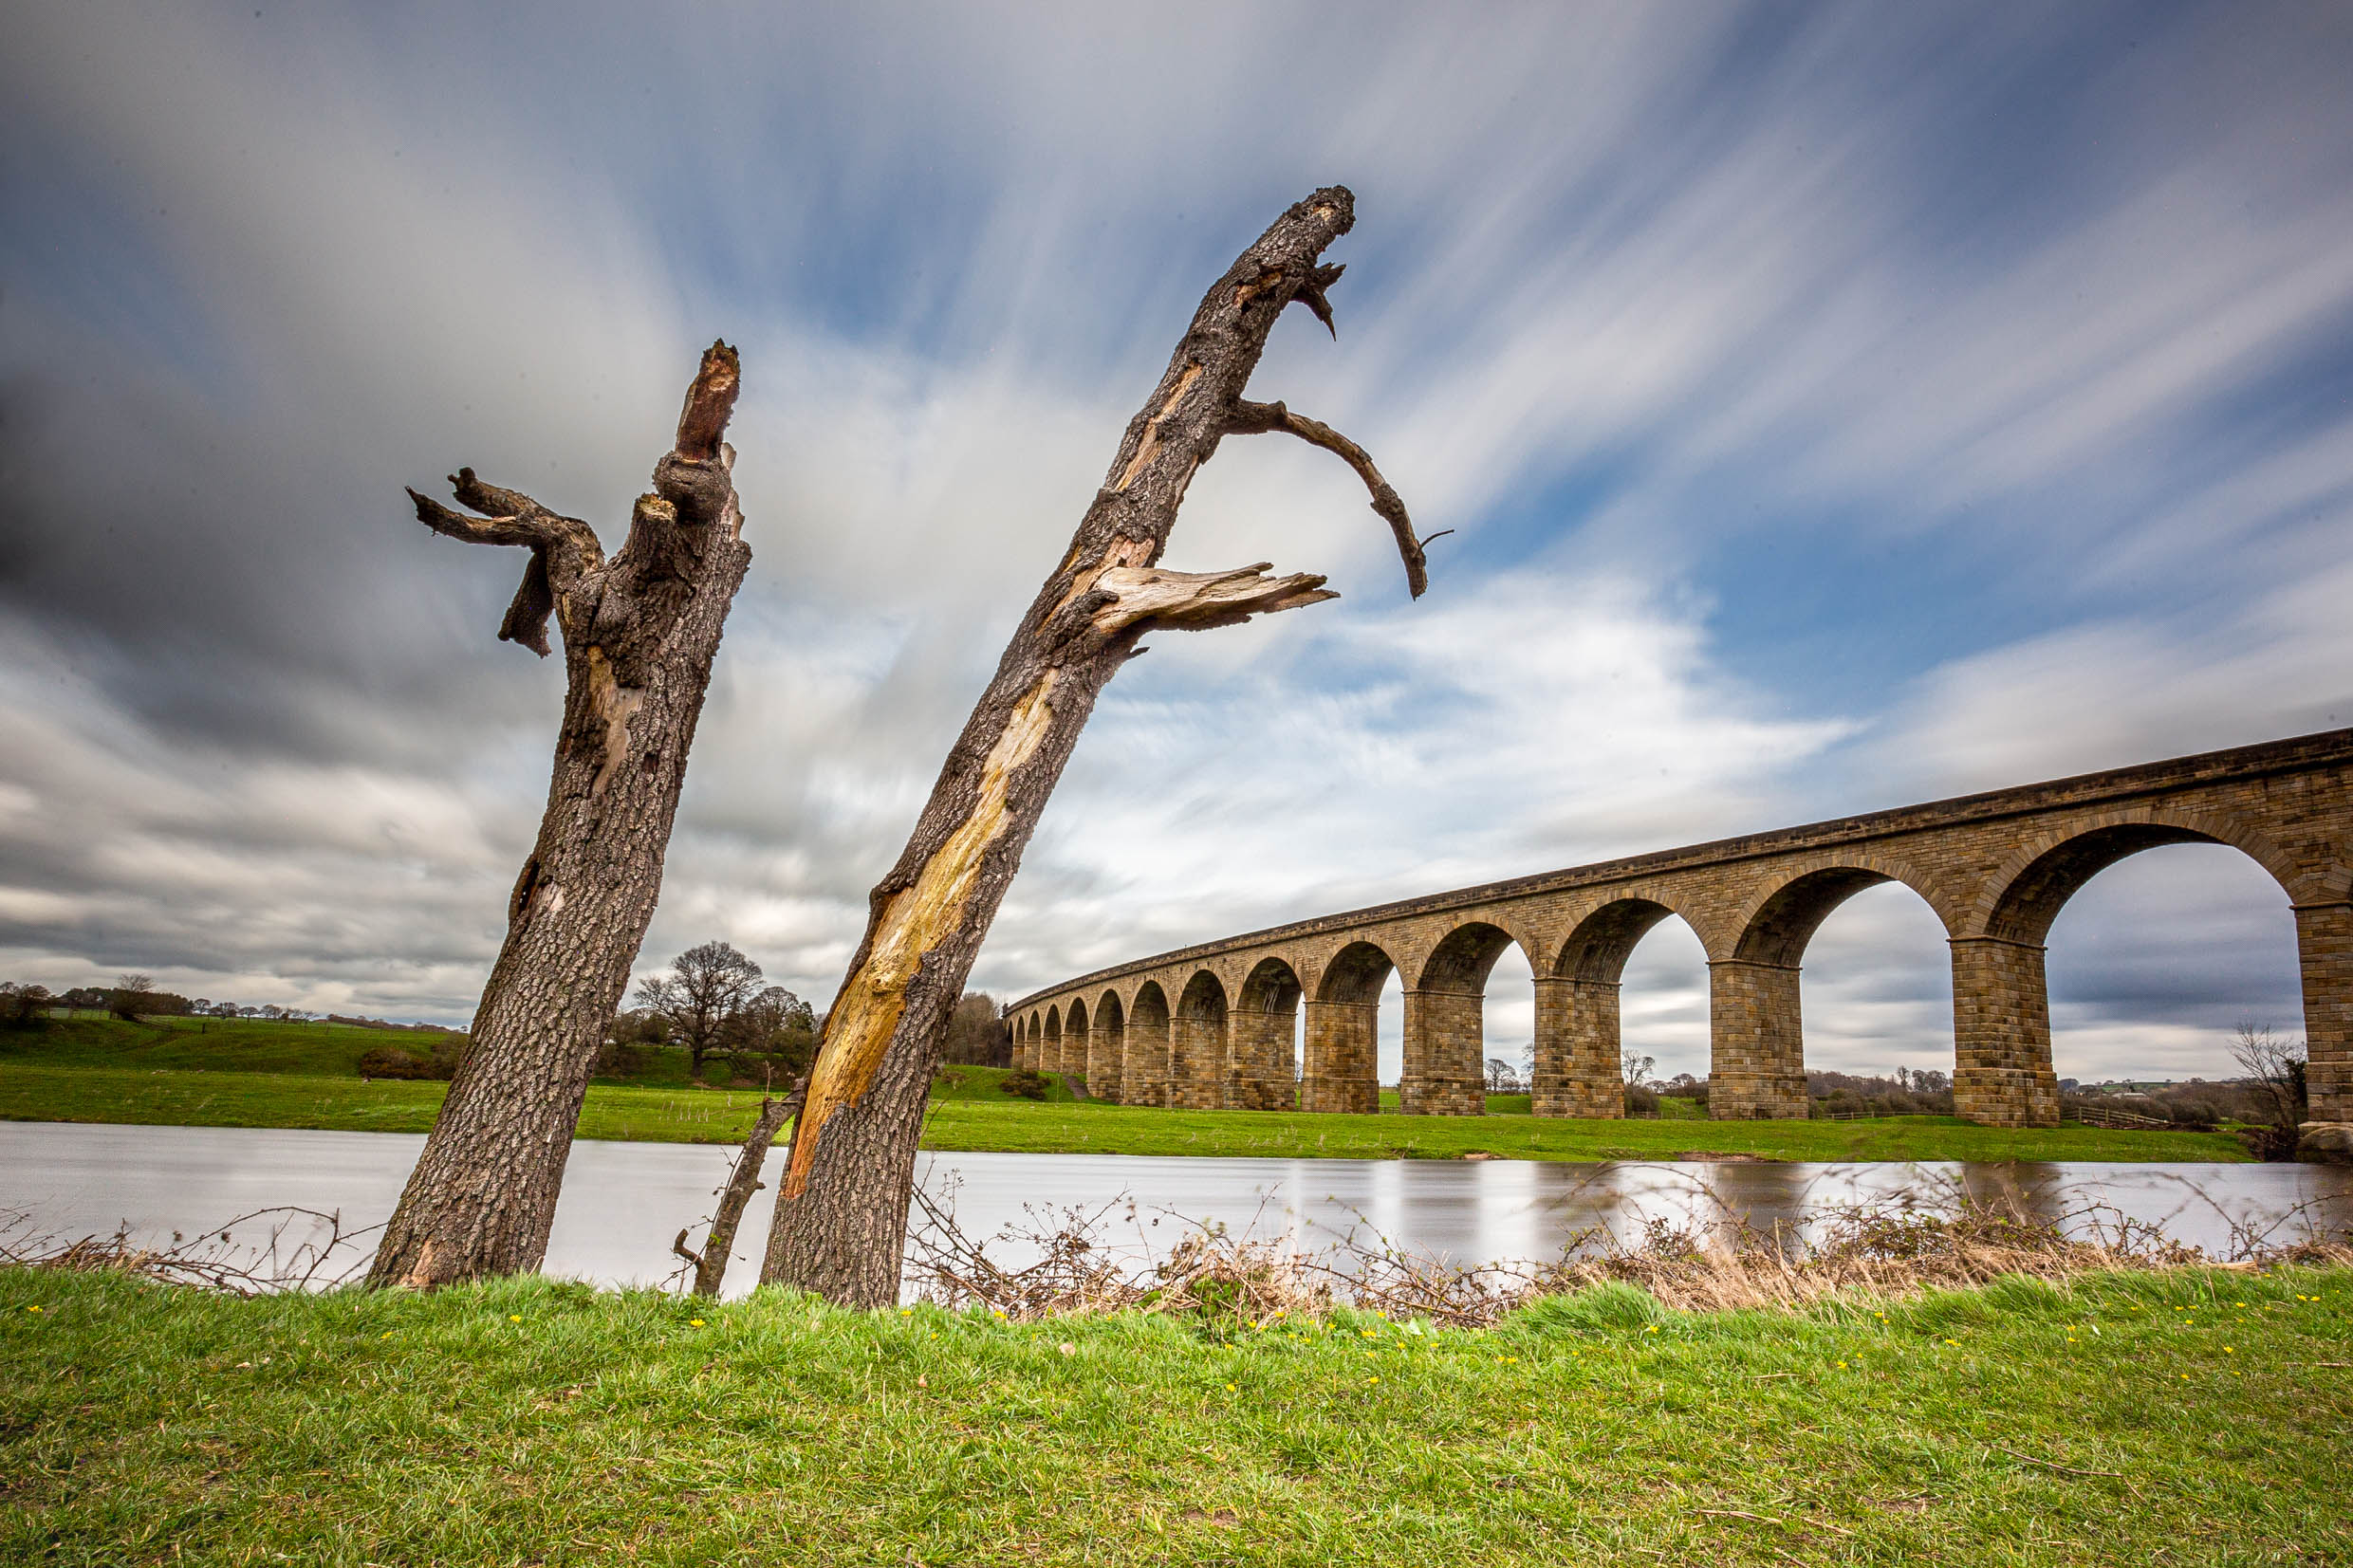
(1837,407)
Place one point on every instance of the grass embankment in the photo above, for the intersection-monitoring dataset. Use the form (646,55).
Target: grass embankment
(249,1073)
(2126,1418)
(974,1115)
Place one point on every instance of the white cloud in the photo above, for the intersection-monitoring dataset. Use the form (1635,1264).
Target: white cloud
(1707,263)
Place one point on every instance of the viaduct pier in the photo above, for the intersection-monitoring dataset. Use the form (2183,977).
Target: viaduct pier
(1213,1026)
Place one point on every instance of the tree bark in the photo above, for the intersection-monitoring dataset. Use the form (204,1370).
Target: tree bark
(841,1202)
(640,632)
(711,1262)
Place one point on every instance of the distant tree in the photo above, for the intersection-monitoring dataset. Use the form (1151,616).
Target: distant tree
(704,988)
(1638,1069)
(977,1036)
(22,1006)
(1502,1079)
(772,1035)
(130,991)
(2276,1068)
(639,1027)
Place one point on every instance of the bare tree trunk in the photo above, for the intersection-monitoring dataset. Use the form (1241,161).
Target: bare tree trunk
(842,1203)
(639,633)
(711,1262)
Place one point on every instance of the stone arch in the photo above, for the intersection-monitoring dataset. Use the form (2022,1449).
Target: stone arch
(2003,1073)
(1578,1023)
(1445,1024)
(1196,1043)
(1355,974)
(1463,956)
(1263,1073)
(1756,1018)
(1106,1048)
(1143,1066)
(1074,1023)
(1780,920)
(1342,1073)
(1598,948)
(2026,892)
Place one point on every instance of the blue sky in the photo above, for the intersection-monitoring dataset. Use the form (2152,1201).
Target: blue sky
(1837,407)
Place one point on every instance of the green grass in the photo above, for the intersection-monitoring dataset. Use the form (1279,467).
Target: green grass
(203,1044)
(985,1084)
(532,1422)
(976,1115)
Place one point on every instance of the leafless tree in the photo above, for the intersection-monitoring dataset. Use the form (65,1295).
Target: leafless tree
(640,628)
(2276,1068)
(131,991)
(841,1202)
(705,988)
(976,1035)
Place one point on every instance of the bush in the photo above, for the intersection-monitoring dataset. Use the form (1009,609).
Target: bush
(23,1006)
(1641,1100)
(621,1058)
(1022,1082)
(445,1052)
(392,1062)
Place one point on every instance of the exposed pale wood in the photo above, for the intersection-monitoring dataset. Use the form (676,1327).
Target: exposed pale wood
(842,1203)
(1158,599)
(640,632)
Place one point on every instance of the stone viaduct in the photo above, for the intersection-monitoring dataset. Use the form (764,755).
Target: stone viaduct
(1213,1026)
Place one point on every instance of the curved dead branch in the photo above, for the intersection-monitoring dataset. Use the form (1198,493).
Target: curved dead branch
(1258,419)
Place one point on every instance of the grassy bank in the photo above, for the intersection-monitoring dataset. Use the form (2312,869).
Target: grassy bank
(972,1114)
(2181,1417)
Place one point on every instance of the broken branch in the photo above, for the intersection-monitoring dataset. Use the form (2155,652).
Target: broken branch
(709,401)
(1158,599)
(1258,419)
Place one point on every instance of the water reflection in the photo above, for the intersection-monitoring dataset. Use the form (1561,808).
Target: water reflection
(622,1202)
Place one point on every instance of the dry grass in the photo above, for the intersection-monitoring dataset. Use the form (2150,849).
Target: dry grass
(1079,1267)
(297,1249)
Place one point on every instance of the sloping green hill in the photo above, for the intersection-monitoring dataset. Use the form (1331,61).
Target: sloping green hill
(205,1045)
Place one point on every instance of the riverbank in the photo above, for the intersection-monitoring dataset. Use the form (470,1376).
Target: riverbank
(973,1116)
(2178,1416)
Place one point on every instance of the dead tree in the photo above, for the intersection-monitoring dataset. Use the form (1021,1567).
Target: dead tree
(841,1202)
(640,632)
(743,1181)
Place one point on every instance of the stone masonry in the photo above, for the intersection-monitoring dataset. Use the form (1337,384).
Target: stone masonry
(1997,868)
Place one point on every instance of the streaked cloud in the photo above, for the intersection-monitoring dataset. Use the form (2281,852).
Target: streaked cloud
(1837,407)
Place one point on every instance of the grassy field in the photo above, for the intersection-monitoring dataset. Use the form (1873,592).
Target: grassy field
(972,1114)
(2129,1419)
(203,1044)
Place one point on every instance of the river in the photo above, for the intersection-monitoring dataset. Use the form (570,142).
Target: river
(624,1202)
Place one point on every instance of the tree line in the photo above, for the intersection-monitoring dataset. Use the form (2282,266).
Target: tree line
(712,1004)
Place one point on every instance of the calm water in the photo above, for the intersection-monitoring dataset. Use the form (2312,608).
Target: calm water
(624,1202)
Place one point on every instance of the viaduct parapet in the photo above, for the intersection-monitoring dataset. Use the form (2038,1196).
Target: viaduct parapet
(1213,1026)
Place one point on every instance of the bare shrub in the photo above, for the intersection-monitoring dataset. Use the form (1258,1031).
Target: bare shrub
(212,1260)
(2275,1068)
(1875,1250)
